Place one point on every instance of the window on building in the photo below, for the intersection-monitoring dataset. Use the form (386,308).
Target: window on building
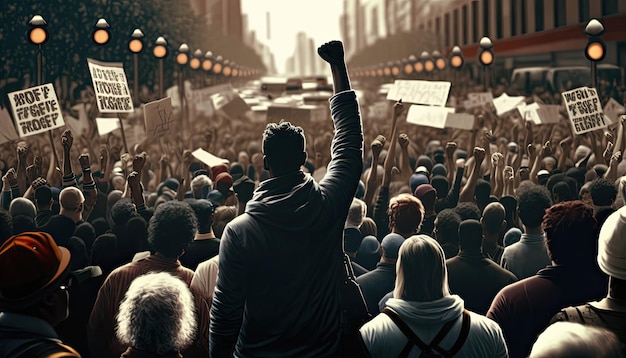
(513,17)
(446,26)
(375,22)
(560,17)
(539,15)
(430,26)
(486,18)
(499,19)
(455,27)
(583,10)
(464,29)
(474,21)
(524,25)
(609,7)
(438,26)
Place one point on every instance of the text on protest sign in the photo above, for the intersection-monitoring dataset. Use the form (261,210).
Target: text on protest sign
(429,116)
(159,117)
(584,109)
(110,86)
(433,93)
(36,110)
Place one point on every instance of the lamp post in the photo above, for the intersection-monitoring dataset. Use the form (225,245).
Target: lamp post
(195,62)
(486,58)
(595,51)
(159,52)
(218,66)
(407,68)
(38,35)
(182,58)
(207,65)
(101,34)
(440,63)
(395,69)
(456,62)
(227,70)
(135,45)
(427,60)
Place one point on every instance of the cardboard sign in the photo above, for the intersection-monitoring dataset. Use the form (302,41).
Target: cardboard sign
(106,125)
(429,116)
(584,109)
(549,113)
(36,110)
(613,110)
(110,86)
(236,107)
(208,158)
(8,132)
(478,99)
(378,110)
(529,112)
(203,95)
(158,117)
(433,93)
(504,103)
(78,122)
(460,121)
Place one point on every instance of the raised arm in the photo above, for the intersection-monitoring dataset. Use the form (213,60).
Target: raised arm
(67,139)
(398,108)
(467,194)
(372,175)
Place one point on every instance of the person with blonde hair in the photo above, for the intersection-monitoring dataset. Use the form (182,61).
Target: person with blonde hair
(424,317)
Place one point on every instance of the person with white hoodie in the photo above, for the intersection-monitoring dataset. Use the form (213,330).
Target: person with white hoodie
(423,315)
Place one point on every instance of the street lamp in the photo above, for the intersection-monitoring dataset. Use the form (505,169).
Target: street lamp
(387,69)
(427,61)
(379,70)
(456,61)
(227,70)
(440,61)
(101,33)
(486,57)
(182,58)
(395,69)
(38,35)
(207,63)
(595,51)
(195,62)
(135,45)
(159,52)
(408,65)
(218,66)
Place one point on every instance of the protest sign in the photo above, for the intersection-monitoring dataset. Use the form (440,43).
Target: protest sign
(434,93)
(77,120)
(378,110)
(613,110)
(8,132)
(110,87)
(36,110)
(584,109)
(478,99)
(158,117)
(504,103)
(430,116)
(529,112)
(236,107)
(106,125)
(208,158)
(548,113)
(460,121)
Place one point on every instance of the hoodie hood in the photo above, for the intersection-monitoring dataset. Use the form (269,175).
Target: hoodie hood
(433,312)
(290,202)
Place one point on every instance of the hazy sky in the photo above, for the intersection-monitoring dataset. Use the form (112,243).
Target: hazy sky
(319,19)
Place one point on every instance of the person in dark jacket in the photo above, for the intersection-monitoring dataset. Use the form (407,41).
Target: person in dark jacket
(280,264)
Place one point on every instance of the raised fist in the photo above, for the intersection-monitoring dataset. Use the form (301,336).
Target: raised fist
(164,159)
(83,159)
(30,173)
(450,149)
(377,147)
(546,150)
(565,144)
(497,159)
(398,108)
(487,137)
(134,180)
(403,139)
(187,158)
(139,161)
(479,155)
(531,150)
(39,182)
(10,177)
(381,138)
(616,158)
(332,52)
(67,139)
(104,154)
(22,150)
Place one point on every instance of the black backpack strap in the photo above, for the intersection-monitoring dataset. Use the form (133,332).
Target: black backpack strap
(408,332)
(462,335)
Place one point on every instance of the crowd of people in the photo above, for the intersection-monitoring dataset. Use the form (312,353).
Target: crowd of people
(505,240)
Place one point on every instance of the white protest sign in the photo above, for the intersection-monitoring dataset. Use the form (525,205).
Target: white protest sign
(77,120)
(529,112)
(548,113)
(584,109)
(434,93)
(429,116)
(110,86)
(36,110)
(208,158)
(504,103)
(8,132)
(378,110)
(460,121)
(158,117)
(613,110)
(106,125)
(478,99)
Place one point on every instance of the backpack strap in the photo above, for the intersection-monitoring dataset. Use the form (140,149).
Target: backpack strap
(462,335)
(408,332)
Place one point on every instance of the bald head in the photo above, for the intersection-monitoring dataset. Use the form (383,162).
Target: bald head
(71,199)
(493,218)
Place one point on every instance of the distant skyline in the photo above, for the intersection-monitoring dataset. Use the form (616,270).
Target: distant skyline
(319,19)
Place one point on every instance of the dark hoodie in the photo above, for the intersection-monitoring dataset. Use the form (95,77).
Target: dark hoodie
(277,288)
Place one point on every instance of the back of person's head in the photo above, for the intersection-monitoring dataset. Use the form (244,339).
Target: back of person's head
(86,232)
(390,246)
(467,210)
(172,228)
(77,248)
(136,232)
(157,314)
(493,218)
(201,185)
(532,203)
(71,199)
(204,210)
(571,232)
(100,225)
(470,235)
(356,213)
(368,227)
(427,195)
(612,246)
(482,191)
(421,273)
(603,192)
(447,226)
(561,192)
(23,223)
(575,340)
(121,211)
(6,226)
(222,216)
(406,213)
(22,206)
(368,253)
(441,185)
(283,147)
(416,180)
(104,253)
(43,197)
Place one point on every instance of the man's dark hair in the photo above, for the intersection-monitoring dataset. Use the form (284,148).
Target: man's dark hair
(563,191)
(482,191)
(467,210)
(284,147)
(603,192)
(172,228)
(448,222)
(571,233)
(43,197)
(470,234)
(532,203)
(204,213)
(121,212)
